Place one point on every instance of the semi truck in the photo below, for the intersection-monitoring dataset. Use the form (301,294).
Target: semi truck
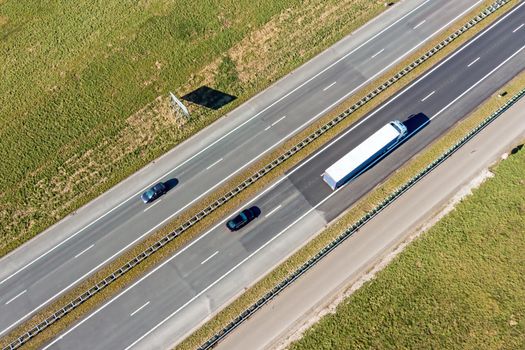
(368,151)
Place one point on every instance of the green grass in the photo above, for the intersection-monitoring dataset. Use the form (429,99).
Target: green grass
(78,78)
(460,285)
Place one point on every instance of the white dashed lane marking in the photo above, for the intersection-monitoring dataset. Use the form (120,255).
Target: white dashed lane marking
(519,27)
(329,86)
(208,258)
(217,162)
(420,23)
(377,53)
(16,296)
(471,63)
(427,96)
(140,308)
(85,250)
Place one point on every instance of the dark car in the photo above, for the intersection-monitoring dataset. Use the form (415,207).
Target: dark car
(241,220)
(154,192)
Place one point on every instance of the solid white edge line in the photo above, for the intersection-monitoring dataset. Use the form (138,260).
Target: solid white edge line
(471,63)
(521,26)
(329,86)
(273,211)
(227,134)
(208,258)
(300,218)
(419,24)
(85,250)
(152,205)
(479,81)
(16,296)
(140,308)
(299,167)
(212,165)
(278,120)
(427,96)
(377,53)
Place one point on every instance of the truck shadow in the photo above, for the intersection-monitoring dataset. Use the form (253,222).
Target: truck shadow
(415,123)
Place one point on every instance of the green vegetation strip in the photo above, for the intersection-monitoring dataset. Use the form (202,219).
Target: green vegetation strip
(352,229)
(86,304)
(459,286)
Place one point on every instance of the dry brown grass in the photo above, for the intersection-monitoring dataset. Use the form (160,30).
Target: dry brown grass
(3,19)
(88,169)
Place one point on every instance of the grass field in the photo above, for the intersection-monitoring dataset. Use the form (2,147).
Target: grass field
(82,95)
(459,286)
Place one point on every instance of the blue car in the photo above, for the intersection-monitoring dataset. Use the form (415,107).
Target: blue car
(241,220)
(154,192)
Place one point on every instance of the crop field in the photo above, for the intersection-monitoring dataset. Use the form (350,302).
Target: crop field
(84,84)
(459,286)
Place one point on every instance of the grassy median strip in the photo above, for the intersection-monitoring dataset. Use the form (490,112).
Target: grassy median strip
(192,233)
(460,285)
(79,98)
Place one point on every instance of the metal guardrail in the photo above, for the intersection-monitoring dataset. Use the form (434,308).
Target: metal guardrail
(246,183)
(356,226)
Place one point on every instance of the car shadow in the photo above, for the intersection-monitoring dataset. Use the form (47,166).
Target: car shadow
(171,183)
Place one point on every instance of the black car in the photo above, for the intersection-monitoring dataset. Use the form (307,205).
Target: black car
(241,220)
(154,192)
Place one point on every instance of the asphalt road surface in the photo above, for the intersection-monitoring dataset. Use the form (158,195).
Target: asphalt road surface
(40,271)
(277,322)
(178,295)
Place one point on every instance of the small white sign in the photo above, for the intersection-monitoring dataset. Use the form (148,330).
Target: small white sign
(176,102)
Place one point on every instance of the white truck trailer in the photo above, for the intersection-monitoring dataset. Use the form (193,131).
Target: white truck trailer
(364,154)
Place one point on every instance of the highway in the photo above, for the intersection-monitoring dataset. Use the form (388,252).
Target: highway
(292,311)
(43,269)
(177,296)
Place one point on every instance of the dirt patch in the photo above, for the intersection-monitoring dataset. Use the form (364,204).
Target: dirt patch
(257,52)
(258,44)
